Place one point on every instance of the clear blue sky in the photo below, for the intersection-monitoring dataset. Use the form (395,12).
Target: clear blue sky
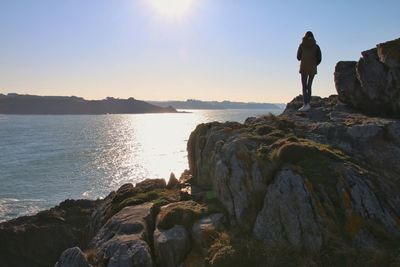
(217,49)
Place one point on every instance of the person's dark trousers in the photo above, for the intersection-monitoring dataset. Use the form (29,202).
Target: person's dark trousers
(307,81)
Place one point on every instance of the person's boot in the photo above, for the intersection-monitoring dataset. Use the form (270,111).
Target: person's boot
(305,107)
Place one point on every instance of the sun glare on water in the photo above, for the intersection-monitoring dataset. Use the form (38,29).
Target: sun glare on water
(172,8)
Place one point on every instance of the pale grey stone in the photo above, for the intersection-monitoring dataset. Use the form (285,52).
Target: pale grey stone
(122,240)
(287,215)
(171,246)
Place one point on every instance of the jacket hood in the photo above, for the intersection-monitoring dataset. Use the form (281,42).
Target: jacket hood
(309,42)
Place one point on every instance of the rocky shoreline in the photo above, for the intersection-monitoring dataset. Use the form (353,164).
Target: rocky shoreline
(320,188)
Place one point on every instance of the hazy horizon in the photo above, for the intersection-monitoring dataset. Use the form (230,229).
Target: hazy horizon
(159,50)
(146,100)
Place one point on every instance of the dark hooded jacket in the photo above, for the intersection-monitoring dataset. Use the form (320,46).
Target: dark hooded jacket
(310,56)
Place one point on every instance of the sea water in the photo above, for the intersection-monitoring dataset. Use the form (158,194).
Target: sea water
(45,159)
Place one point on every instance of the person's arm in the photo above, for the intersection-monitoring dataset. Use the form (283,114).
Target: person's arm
(319,55)
(299,52)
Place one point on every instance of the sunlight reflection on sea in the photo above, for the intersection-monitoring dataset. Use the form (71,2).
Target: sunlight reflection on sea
(46,159)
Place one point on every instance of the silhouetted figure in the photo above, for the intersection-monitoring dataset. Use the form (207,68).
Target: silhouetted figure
(310,57)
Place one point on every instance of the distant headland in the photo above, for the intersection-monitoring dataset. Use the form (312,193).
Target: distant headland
(198,104)
(33,104)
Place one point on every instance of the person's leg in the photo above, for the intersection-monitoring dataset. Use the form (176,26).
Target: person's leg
(309,85)
(304,83)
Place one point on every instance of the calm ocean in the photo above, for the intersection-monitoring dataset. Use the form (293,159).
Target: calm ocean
(46,159)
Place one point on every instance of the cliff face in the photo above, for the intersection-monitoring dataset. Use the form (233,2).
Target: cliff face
(311,180)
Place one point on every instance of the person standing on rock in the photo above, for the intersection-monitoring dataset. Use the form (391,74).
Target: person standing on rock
(309,55)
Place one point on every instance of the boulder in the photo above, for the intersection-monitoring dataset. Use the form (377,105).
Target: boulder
(122,241)
(185,177)
(171,246)
(389,53)
(180,213)
(347,83)
(125,251)
(125,191)
(205,230)
(72,257)
(372,84)
(372,75)
(151,184)
(149,190)
(173,181)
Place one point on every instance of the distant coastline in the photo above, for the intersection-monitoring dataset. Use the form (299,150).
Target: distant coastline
(64,105)
(69,105)
(198,104)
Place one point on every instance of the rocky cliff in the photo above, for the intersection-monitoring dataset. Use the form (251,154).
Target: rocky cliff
(312,180)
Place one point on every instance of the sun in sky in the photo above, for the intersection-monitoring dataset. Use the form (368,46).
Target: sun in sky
(172,8)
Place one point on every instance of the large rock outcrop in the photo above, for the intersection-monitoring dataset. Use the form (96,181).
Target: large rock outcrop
(311,180)
(123,240)
(372,84)
(144,225)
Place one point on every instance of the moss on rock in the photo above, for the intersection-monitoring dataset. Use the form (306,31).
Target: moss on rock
(294,150)
(232,250)
(180,213)
(158,196)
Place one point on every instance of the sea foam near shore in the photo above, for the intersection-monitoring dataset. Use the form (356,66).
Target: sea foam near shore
(12,207)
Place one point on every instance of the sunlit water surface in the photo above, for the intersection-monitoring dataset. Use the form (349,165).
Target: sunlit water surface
(46,159)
